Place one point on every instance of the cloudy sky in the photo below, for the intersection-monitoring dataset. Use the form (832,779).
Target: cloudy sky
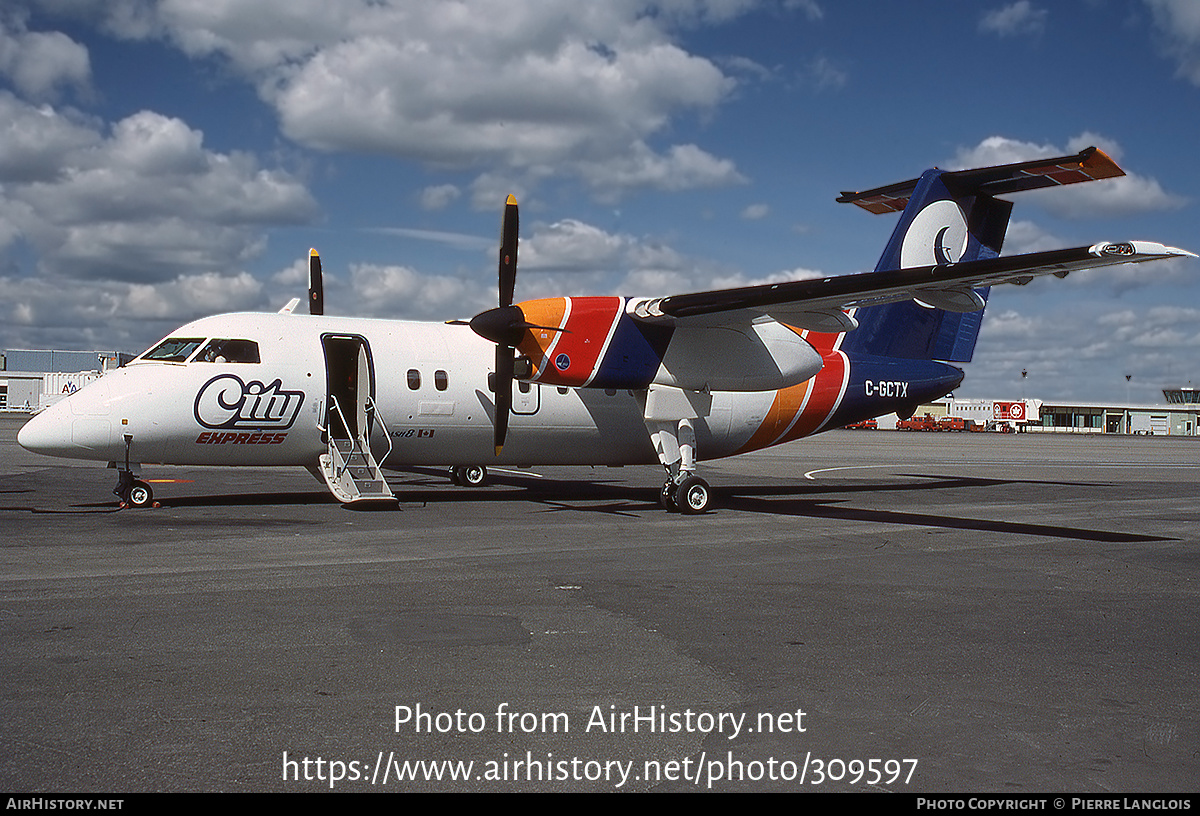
(166,159)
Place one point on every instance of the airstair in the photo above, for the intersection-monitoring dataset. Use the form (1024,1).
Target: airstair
(350,469)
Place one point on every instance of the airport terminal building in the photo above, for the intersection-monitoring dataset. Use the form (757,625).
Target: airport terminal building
(1177,415)
(33,379)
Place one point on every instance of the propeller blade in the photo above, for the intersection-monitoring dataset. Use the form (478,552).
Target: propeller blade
(504,381)
(503,325)
(508,252)
(316,291)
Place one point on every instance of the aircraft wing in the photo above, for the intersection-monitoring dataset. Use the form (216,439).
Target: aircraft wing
(819,304)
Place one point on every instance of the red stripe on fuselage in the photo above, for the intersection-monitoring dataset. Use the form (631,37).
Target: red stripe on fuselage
(572,357)
(802,409)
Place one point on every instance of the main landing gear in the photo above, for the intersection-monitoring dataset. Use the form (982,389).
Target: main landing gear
(683,491)
(469,475)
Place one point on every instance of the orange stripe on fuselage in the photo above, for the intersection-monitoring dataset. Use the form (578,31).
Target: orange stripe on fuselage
(569,357)
(536,343)
(800,409)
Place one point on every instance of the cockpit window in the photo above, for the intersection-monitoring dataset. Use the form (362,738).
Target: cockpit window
(173,349)
(229,351)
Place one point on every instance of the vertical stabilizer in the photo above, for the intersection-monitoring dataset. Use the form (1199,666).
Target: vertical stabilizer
(947,217)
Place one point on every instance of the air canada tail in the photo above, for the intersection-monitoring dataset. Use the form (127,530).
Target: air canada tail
(947,217)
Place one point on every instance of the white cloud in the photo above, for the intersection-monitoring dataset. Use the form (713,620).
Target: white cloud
(403,292)
(1019,18)
(41,63)
(145,201)
(684,167)
(809,7)
(106,314)
(756,212)
(1178,22)
(1126,195)
(739,279)
(439,197)
(533,86)
(571,245)
(489,191)
(1025,236)
(825,76)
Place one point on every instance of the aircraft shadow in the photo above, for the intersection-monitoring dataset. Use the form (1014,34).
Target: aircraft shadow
(780,500)
(817,501)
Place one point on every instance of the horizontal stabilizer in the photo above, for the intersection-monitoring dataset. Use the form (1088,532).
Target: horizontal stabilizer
(1091,164)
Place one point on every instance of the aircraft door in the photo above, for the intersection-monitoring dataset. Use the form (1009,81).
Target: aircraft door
(349,386)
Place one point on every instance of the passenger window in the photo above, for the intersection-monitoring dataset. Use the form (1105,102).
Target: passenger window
(441,380)
(414,379)
(174,349)
(229,351)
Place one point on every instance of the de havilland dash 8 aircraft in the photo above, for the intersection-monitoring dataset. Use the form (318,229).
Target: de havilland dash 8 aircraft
(582,380)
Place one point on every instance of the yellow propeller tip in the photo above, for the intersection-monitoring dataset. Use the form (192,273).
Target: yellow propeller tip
(512,200)
(498,449)
(313,253)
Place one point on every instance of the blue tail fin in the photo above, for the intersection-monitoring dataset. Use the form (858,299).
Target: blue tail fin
(947,217)
(937,226)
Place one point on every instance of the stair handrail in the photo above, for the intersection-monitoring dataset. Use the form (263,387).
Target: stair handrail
(354,447)
(386,433)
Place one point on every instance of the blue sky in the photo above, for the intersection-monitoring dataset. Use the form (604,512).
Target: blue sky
(164,160)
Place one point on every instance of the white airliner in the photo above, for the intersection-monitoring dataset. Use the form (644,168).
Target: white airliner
(581,380)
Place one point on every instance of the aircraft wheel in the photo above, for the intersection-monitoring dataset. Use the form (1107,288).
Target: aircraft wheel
(668,496)
(140,495)
(694,496)
(474,475)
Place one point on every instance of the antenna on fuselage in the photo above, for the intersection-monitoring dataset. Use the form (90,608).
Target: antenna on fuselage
(316,292)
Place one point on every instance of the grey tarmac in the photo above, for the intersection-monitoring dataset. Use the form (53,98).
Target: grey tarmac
(1018,614)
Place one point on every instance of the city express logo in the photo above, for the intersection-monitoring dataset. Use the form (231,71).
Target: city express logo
(225,403)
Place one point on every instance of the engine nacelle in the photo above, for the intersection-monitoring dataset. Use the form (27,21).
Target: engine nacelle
(761,357)
(593,342)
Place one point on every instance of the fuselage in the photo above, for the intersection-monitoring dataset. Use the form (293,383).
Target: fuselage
(258,389)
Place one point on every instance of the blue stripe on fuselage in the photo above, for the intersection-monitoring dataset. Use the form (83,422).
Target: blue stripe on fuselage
(633,355)
(879,385)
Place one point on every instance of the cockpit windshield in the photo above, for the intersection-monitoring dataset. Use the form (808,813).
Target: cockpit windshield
(174,349)
(216,350)
(229,351)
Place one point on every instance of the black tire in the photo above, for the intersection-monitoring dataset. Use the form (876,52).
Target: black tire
(140,495)
(474,475)
(694,496)
(456,475)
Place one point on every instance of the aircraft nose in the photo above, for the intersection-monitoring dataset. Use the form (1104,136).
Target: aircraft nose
(48,432)
(56,431)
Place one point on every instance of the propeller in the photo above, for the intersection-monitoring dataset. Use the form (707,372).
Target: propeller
(505,337)
(316,291)
(506,324)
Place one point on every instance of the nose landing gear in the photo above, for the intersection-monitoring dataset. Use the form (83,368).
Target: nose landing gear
(132,492)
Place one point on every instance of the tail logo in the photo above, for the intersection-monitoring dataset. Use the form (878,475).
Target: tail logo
(938,235)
